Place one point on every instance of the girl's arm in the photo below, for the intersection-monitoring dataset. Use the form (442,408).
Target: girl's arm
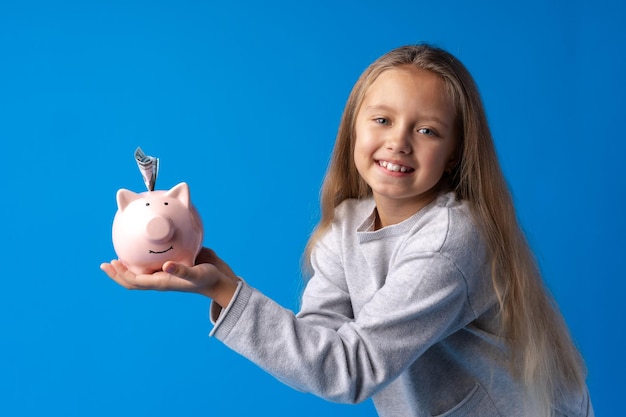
(326,298)
(349,364)
(328,353)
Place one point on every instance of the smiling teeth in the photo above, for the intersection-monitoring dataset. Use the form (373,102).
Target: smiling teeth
(393,167)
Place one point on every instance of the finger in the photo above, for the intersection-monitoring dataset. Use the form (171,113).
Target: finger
(118,273)
(106,268)
(187,273)
(117,266)
(175,269)
(189,279)
(128,279)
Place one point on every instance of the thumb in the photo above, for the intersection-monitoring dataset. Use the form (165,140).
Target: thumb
(177,269)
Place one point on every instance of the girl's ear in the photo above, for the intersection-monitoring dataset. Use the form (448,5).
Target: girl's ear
(452,162)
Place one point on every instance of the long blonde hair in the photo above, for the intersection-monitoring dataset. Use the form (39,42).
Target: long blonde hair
(544,357)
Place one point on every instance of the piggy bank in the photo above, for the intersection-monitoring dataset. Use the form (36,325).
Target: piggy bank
(153,227)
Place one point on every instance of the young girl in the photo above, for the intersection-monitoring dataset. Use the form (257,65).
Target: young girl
(424,294)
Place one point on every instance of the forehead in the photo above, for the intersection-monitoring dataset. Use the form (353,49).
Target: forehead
(408,84)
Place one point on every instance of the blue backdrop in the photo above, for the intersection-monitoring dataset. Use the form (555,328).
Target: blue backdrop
(242,100)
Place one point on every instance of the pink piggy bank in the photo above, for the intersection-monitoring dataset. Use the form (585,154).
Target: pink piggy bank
(153,227)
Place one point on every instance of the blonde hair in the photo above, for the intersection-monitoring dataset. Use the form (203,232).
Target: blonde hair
(544,357)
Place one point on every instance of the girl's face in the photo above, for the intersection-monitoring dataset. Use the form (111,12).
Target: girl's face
(405,140)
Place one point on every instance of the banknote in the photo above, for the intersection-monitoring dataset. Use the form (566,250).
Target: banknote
(149,168)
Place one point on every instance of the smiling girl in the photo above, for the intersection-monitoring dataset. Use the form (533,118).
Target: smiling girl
(424,294)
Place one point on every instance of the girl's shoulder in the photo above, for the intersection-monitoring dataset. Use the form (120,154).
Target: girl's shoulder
(446,221)
(352,212)
(457,213)
(446,224)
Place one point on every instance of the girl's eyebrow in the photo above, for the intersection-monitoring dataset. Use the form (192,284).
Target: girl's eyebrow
(428,117)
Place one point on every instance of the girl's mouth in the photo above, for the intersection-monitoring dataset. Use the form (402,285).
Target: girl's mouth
(389,166)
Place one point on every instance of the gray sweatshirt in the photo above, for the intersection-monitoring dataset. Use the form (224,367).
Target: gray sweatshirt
(405,315)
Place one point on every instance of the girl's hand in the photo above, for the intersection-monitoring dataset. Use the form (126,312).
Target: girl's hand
(210,277)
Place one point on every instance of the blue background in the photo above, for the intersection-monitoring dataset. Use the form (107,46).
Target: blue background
(242,100)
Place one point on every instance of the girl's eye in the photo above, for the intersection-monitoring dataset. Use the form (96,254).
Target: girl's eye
(426,131)
(381,121)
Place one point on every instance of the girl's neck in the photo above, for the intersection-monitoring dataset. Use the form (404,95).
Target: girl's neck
(388,213)
(394,211)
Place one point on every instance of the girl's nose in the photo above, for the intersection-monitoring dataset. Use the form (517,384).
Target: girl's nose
(399,141)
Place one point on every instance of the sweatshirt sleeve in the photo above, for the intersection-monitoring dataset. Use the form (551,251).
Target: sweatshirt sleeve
(411,312)
(326,298)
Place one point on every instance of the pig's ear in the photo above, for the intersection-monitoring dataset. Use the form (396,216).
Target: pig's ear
(125,197)
(181,193)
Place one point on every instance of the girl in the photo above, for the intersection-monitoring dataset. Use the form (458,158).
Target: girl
(424,294)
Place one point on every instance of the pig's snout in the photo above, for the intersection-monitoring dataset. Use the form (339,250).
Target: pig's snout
(159,229)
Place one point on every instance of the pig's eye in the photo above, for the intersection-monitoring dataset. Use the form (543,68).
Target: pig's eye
(166,203)
(147,204)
